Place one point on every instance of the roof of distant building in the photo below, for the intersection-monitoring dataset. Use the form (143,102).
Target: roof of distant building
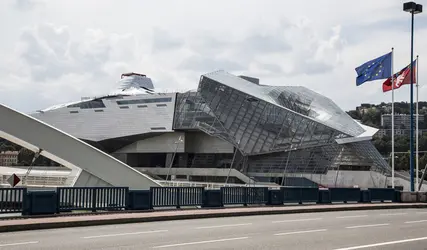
(9,152)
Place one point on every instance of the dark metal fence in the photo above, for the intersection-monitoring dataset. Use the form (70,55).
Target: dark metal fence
(300,194)
(233,195)
(97,198)
(257,195)
(382,194)
(344,194)
(176,196)
(12,200)
(67,199)
(244,195)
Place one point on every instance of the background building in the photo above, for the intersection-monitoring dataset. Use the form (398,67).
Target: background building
(401,121)
(8,158)
(402,124)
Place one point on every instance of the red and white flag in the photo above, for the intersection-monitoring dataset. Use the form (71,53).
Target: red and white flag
(401,78)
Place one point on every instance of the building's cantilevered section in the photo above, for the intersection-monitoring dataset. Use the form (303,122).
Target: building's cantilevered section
(90,166)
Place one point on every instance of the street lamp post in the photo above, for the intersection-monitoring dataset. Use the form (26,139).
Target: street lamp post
(412,8)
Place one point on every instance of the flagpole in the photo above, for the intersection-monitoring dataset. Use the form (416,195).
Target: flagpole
(392,118)
(416,138)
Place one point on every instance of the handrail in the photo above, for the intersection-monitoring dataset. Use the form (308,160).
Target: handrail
(209,184)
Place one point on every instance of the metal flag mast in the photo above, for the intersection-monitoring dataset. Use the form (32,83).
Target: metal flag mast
(392,118)
(416,133)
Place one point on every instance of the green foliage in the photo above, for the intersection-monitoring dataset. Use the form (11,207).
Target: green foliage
(372,118)
(370,114)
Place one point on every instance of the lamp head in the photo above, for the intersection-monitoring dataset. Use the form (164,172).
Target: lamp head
(412,7)
(418,9)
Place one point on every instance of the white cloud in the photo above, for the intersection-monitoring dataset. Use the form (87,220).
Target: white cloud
(57,51)
(25,4)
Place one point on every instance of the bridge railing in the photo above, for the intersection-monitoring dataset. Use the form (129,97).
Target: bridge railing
(244,195)
(99,199)
(12,200)
(92,198)
(176,196)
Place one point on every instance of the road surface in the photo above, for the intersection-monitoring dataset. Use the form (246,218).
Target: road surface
(379,229)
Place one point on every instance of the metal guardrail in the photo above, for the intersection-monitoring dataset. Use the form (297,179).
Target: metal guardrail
(176,196)
(121,198)
(382,194)
(244,195)
(211,185)
(12,200)
(257,195)
(300,194)
(345,194)
(93,199)
(233,195)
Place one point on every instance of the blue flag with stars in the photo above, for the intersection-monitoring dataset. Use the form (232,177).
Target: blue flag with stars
(378,68)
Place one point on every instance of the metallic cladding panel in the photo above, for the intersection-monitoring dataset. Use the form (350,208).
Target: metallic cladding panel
(164,143)
(113,121)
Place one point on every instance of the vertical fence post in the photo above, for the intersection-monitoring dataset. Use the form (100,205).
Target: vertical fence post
(58,200)
(93,199)
(25,202)
(245,196)
(126,194)
(151,198)
(178,197)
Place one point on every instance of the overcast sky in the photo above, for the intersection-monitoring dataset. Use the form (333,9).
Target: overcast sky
(55,51)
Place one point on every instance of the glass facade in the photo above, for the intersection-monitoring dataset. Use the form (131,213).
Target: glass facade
(285,129)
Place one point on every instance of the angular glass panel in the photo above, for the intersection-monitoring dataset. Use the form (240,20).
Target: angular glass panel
(298,99)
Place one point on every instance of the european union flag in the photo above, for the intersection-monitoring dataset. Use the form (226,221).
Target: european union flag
(378,68)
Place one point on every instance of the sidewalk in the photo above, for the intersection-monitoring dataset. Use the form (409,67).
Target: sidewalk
(25,223)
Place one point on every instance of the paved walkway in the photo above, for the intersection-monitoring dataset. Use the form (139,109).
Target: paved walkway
(31,223)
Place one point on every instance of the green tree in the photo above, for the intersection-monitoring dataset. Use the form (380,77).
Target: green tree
(383,145)
(402,162)
(372,118)
(354,114)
